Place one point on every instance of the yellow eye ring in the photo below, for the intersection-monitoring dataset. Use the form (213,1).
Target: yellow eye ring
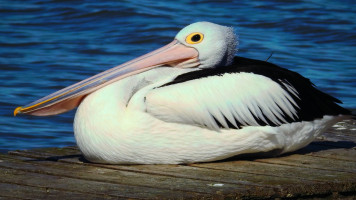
(194,38)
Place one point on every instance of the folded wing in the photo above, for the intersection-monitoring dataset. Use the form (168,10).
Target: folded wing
(231,100)
(248,93)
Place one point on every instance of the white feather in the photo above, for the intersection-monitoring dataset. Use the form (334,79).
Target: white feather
(238,96)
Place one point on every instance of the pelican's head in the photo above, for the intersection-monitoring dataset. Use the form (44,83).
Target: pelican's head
(199,45)
(216,44)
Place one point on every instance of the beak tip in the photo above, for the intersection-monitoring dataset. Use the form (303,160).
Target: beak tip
(17,110)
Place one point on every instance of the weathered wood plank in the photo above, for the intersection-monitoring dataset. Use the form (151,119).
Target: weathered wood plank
(208,188)
(9,190)
(284,171)
(92,173)
(40,180)
(287,183)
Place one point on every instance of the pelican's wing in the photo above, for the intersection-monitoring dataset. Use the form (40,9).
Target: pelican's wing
(236,97)
(235,100)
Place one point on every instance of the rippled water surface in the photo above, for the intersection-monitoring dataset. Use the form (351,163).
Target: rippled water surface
(46,45)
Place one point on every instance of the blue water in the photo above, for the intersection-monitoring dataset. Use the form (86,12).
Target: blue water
(46,45)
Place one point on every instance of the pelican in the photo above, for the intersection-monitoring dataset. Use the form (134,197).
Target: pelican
(191,101)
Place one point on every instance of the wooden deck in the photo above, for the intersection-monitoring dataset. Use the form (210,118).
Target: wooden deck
(324,169)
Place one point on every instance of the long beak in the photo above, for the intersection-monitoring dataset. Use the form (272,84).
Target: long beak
(174,54)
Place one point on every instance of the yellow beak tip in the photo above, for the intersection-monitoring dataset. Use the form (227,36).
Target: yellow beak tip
(17,110)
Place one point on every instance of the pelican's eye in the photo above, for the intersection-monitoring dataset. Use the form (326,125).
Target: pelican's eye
(194,38)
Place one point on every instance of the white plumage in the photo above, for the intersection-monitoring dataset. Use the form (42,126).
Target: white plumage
(192,101)
(139,137)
